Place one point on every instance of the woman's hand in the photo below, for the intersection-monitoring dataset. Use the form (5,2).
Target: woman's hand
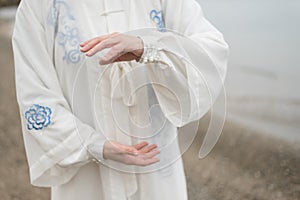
(140,154)
(123,47)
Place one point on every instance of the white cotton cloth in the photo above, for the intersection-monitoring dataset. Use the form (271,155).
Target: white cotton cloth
(70,105)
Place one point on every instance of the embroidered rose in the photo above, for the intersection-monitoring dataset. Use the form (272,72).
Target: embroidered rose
(38,117)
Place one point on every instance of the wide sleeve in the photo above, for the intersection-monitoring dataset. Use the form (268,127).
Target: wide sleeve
(57,143)
(187,61)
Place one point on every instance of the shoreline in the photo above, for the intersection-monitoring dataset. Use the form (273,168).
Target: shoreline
(243,165)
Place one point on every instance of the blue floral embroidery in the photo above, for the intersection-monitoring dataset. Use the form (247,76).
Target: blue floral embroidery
(68,36)
(71,39)
(38,117)
(157,17)
(59,6)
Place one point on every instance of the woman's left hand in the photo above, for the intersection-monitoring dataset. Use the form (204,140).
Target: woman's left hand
(123,47)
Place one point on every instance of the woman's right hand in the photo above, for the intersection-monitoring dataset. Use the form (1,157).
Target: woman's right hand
(140,154)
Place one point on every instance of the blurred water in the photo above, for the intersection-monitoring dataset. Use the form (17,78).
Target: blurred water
(264,68)
(7,12)
(6,21)
(263,37)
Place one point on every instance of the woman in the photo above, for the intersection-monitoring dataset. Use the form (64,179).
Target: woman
(90,74)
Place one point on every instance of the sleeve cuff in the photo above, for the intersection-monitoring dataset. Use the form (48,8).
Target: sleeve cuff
(150,53)
(95,150)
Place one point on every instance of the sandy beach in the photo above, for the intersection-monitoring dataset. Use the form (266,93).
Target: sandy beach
(256,158)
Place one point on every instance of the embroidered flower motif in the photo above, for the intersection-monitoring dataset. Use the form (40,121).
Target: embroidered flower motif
(157,17)
(70,40)
(54,13)
(66,32)
(38,117)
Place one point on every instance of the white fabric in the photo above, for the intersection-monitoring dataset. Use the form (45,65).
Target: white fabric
(52,73)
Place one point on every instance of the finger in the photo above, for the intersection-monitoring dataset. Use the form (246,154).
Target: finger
(150,154)
(130,150)
(112,55)
(147,162)
(98,38)
(140,145)
(93,41)
(86,46)
(148,149)
(90,44)
(141,160)
(107,43)
(152,161)
(90,40)
(122,148)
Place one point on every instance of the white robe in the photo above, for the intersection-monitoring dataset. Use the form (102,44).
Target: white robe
(69,105)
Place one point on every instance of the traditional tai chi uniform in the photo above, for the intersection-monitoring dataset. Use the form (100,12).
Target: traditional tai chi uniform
(70,105)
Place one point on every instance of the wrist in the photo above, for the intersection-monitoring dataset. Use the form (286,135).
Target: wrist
(140,50)
(96,150)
